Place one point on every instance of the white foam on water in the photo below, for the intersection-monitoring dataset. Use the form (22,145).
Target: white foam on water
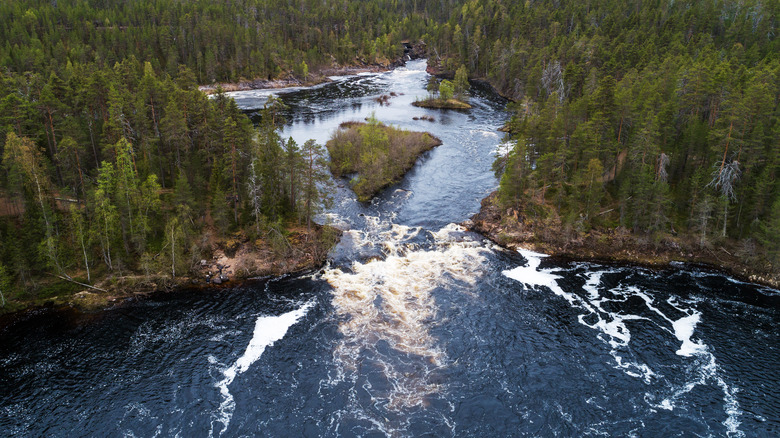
(268,329)
(683,330)
(531,276)
(612,329)
(337,221)
(484,133)
(390,301)
(592,284)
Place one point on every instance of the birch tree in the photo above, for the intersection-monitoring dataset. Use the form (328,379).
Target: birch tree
(106,218)
(27,169)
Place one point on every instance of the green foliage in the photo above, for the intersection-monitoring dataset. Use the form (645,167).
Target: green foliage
(176,232)
(378,154)
(315,192)
(622,133)
(461,84)
(218,41)
(446,90)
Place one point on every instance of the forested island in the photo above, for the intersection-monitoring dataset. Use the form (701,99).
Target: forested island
(378,155)
(654,122)
(446,94)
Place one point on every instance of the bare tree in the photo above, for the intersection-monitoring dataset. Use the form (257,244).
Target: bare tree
(552,80)
(663,162)
(724,178)
(255,190)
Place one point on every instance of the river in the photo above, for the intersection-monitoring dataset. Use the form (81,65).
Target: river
(415,328)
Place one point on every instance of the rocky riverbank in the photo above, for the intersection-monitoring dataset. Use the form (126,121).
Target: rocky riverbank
(232,259)
(511,229)
(291,80)
(322,75)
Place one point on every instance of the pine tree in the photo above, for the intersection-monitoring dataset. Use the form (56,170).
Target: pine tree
(292,161)
(315,194)
(461,85)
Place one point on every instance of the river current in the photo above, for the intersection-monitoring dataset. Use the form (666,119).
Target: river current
(416,327)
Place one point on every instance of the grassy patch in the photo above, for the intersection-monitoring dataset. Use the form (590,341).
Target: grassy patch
(442,104)
(378,154)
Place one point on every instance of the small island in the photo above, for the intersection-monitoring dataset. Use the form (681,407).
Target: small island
(447,95)
(378,155)
(442,104)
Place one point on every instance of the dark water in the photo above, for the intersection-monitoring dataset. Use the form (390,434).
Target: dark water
(417,328)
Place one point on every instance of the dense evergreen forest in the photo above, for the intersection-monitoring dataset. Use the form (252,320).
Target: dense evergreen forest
(660,117)
(218,41)
(113,163)
(121,171)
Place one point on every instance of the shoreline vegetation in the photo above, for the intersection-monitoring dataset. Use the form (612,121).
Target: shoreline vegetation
(293,80)
(446,94)
(124,220)
(514,229)
(234,259)
(442,104)
(375,155)
(652,154)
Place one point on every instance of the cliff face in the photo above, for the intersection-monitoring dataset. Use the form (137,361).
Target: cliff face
(511,229)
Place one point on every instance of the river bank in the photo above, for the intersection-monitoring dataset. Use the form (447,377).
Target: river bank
(321,75)
(231,260)
(291,80)
(510,229)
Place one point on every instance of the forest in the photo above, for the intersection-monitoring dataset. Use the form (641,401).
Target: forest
(103,173)
(658,117)
(114,165)
(217,41)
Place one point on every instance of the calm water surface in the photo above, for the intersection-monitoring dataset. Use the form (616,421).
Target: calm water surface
(416,327)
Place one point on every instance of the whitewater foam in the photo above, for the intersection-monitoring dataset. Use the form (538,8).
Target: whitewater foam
(612,329)
(268,329)
(389,302)
(531,276)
